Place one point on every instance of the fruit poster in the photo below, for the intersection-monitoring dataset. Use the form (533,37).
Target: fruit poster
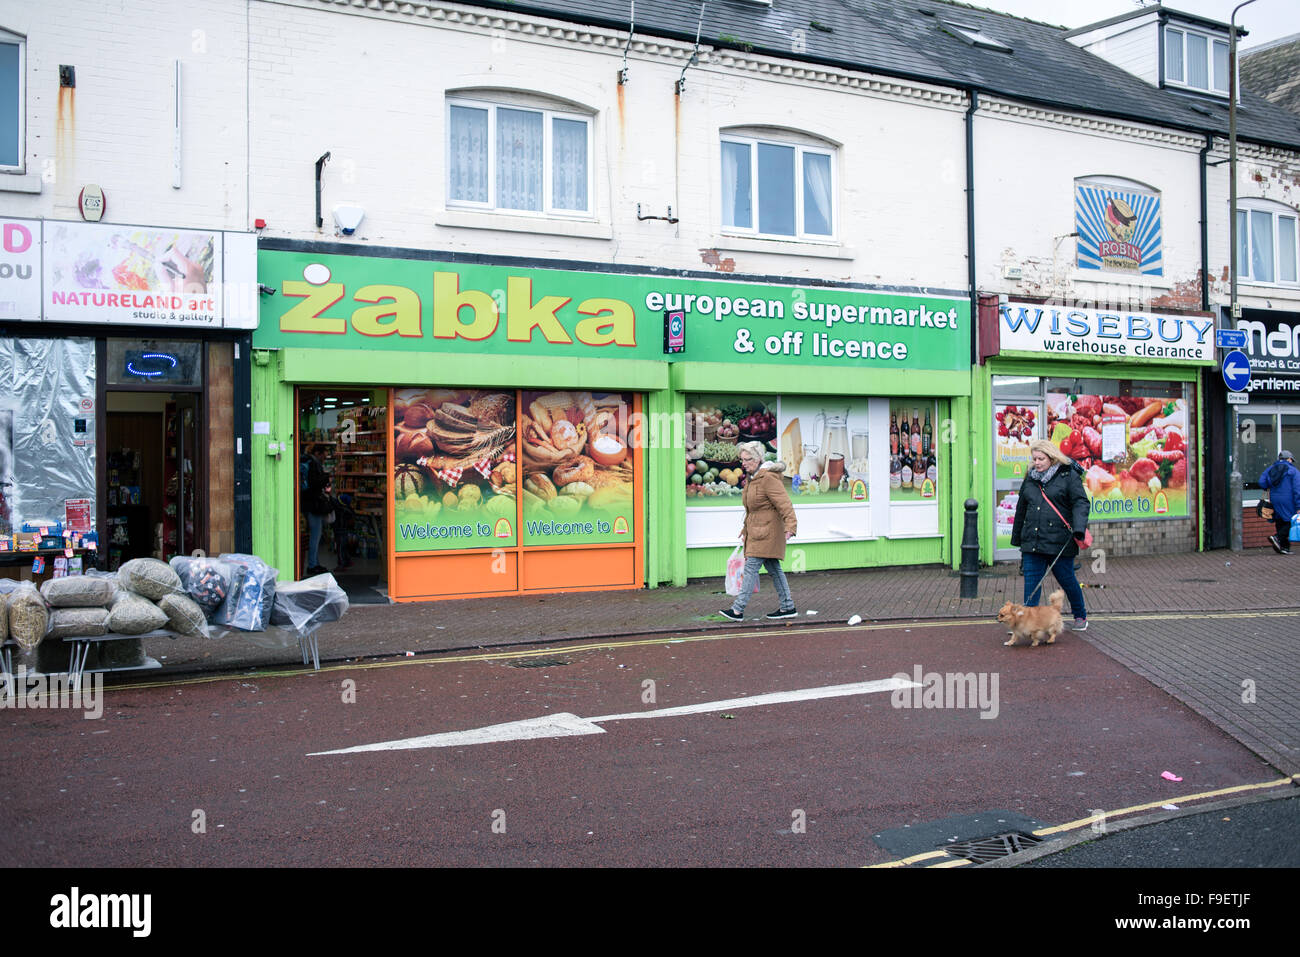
(1134,451)
(822,443)
(1015,426)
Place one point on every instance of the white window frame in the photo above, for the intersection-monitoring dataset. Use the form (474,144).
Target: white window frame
(21,42)
(800,149)
(549,115)
(1210,41)
(1276,211)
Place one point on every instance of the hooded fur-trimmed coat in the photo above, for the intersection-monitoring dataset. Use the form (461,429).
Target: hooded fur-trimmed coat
(769,513)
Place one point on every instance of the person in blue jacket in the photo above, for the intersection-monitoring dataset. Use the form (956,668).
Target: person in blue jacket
(1282,480)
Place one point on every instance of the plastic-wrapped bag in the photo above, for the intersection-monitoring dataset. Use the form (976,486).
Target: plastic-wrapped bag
(149,577)
(7,585)
(134,614)
(184,616)
(29,618)
(208,581)
(77,591)
(313,601)
(111,578)
(248,606)
(77,622)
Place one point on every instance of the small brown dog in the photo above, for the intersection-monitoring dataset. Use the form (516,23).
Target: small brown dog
(1037,623)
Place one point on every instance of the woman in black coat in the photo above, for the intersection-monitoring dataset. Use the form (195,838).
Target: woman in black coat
(1042,535)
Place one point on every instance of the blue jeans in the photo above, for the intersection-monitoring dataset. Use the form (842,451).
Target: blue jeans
(750,582)
(1036,568)
(315,525)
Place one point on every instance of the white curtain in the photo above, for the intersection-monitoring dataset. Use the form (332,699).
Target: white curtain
(1198,61)
(736,209)
(519,159)
(1261,245)
(1286,249)
(817,194)
(569,173)
(467,155)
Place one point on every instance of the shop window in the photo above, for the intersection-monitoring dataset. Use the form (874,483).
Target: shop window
(774,188)
(518,158)
(1196,60)
(1267,242)
(13,64)
(1261,436)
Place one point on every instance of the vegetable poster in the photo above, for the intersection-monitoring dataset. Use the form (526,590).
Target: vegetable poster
(1134,451)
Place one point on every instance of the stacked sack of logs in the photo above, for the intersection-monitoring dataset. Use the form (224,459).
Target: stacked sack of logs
(190,597)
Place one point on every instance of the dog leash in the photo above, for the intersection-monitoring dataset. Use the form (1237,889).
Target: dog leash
(1045,571)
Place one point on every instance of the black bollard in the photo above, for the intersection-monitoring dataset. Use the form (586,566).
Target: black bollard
(970,551)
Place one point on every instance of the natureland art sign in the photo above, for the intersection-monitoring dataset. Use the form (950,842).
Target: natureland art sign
(372,303)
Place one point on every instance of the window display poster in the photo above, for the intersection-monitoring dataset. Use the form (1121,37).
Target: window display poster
(822,442)
(455,480)
(1148,479)
(714,425)
(577,450)
(1015,426)
(825,445)
(76,513)
(913,453)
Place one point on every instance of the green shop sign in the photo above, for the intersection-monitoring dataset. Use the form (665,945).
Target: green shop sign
(368,303)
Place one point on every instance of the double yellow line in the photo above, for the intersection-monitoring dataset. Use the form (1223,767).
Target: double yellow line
(946,860)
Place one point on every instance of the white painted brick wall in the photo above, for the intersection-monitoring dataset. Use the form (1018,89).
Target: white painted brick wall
(116,128)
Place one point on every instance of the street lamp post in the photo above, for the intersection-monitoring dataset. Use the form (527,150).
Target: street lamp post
(1234,477)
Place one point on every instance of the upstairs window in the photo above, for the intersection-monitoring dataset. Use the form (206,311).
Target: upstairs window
(1266,242)
(13,67)
(1196,60)
(518,158)
(772,188)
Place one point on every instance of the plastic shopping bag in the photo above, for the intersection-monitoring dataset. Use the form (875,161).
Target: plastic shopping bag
(736,571)
(1295,528)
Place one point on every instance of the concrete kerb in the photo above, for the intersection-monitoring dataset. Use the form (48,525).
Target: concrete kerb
(1086,835)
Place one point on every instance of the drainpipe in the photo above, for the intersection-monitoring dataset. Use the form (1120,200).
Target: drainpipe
(1205,227)
(970,215)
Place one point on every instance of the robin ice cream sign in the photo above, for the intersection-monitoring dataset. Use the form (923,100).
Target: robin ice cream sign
(1119,229)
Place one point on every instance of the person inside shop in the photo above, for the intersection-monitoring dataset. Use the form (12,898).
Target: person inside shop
(315,500)
(769,524)
(1051,521)
(1282,482)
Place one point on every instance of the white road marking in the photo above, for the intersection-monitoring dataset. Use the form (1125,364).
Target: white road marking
(565,724)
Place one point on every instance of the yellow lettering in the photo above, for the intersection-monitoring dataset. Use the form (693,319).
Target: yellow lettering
(306,315)
(402,305)
(521,319)
(619,329)
(448,301)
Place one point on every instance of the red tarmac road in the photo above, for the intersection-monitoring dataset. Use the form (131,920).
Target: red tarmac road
(791,784)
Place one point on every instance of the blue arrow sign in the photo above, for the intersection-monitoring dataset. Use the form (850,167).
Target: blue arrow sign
(1230,338)
(1236,371)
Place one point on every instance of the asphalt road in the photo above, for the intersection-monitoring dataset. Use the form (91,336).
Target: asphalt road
(228,771)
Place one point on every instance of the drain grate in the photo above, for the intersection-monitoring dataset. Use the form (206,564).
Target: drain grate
(538,663)
(986,849)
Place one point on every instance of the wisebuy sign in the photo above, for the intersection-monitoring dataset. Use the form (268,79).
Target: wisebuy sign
(368,303)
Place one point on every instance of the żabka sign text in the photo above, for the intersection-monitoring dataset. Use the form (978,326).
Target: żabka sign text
(370,303)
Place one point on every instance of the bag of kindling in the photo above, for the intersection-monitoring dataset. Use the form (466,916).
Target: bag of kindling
(736,571)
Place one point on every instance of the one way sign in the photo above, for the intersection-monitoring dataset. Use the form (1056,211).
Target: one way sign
(1236,370)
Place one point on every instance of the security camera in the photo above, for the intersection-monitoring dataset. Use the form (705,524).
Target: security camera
(348,218)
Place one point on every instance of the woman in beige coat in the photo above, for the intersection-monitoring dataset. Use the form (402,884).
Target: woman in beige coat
(769,524)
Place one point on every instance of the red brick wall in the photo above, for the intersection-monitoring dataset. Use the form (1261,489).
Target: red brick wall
(1254,530)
